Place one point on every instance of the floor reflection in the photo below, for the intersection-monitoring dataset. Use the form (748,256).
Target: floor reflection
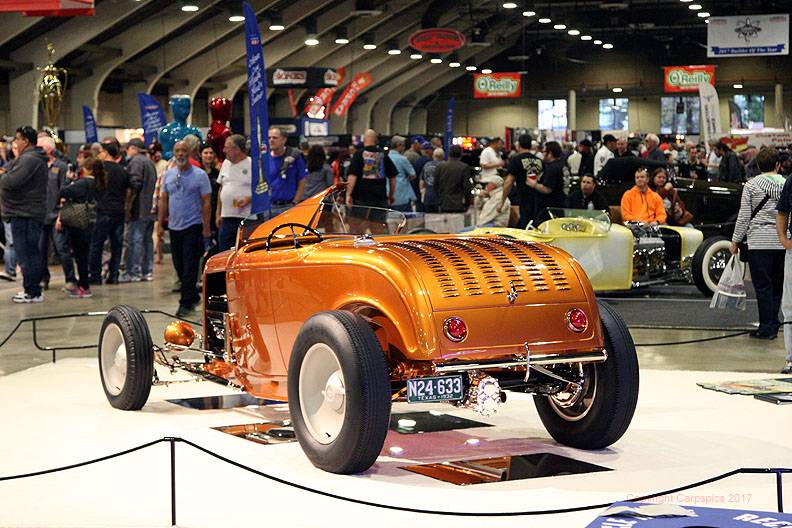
(262,433)
(499,469)
(228,401)
(430,422)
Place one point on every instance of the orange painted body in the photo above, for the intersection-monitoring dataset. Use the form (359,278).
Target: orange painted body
(407,286)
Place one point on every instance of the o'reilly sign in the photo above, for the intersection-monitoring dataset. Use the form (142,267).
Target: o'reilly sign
(687,78)
(496,85)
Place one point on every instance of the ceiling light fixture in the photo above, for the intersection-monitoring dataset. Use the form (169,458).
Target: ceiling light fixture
(471,67)
(703,14)
(607,46)
(598,42)
(738,86)
(393,47)
(529,13)
(453,61)
(189,7)
(436,60)
(416,56)
(617,90)
(573,32)
(342,37)
(559,26)
(685,1)
(509,5)
(544,20)
(486,71)
(236,18)
(368,42)
(694,7)
(586,37)
(276,22)
(310,32)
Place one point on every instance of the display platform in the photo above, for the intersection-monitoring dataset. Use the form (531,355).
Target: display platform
(57,414)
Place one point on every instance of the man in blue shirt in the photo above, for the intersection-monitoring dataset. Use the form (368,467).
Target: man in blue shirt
(286,172)
(404,195)
(185,203)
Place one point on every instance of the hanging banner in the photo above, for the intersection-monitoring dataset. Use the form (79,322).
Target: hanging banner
(496,85)
(292,103)
(89,124)
(687,78)
(317,105)
(358,84)
(50,8)
(259,118)
(437,40)
(302,77)
(449,126)
(152,116)
(710,113)
(748,35)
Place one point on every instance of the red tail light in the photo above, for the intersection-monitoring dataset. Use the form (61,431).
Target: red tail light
(455,329)
(577,321)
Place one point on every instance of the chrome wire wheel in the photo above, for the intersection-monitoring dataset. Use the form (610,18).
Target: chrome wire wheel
(322,393)
(574,402)
(717,264)
(114,359)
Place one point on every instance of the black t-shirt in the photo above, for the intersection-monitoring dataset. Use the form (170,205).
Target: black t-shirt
(110,201)
(520,166)
(553,178)
(785,203)
(372,167)
(595,201)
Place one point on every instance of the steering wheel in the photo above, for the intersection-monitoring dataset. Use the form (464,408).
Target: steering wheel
(291,226)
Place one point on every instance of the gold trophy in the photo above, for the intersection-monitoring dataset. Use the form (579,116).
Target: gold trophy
(50,89)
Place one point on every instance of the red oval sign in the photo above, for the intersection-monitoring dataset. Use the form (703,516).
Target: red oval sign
(437,40)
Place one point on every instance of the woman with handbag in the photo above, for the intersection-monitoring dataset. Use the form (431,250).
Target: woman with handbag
(756,223)
(77,218)
(678,215)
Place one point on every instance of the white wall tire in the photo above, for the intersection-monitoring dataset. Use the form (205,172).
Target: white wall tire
(709,261)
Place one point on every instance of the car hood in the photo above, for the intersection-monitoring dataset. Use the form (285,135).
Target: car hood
(479,272)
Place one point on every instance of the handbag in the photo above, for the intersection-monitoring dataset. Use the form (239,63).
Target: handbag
(78,215)
(742,245)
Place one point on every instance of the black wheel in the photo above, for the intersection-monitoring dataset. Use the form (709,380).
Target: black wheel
(126,358)
(709,261)
(597,412)
(339,392)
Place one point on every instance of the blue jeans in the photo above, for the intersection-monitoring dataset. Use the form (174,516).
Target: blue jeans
(228,232)
(140,248)
(9,256)
(112,227)
(27,236)
(62,249)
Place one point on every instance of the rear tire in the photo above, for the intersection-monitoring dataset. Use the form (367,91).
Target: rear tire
(599,413)
(126,358)
(339,392)
(709,261)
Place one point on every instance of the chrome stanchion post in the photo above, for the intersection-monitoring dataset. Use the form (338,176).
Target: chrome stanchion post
(780,491)
(172,442)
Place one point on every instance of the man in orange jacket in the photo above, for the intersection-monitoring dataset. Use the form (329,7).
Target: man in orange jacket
(642,204)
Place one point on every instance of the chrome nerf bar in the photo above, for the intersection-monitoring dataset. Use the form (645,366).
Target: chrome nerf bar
(538,359)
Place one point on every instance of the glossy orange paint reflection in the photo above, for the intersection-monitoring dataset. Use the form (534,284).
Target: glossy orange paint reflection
(509,293)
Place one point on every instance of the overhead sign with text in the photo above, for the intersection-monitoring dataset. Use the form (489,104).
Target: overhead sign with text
(437,40)
(687,78)
(496,85)
(303,77)
(748,35)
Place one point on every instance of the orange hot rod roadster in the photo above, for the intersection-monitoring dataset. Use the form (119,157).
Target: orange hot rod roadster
(328,308)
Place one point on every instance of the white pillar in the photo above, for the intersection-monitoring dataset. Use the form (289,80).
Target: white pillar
(779,104)
(572,111)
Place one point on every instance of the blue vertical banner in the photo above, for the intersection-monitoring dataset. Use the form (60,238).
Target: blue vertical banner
(89,124)
(449,126)
(152,116)
(259,118)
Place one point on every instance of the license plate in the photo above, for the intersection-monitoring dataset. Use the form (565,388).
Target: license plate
(442,388)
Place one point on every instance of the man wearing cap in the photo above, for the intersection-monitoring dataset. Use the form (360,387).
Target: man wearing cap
(414,152)
(111,203)
(605,153)
(404,194)
(140,245)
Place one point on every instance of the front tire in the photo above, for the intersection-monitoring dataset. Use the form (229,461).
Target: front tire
(598,413)
(339,392)
(709,261)
(126,358)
